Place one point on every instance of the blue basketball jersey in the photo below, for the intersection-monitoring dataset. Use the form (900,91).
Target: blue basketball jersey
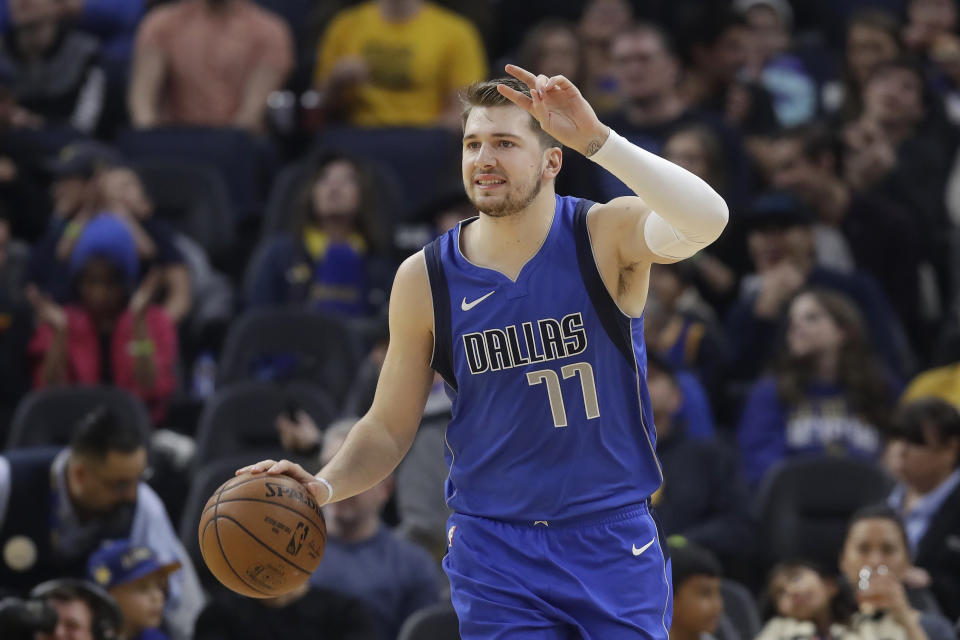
(551,413)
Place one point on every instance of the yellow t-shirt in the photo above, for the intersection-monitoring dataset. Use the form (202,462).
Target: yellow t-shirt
(415,65)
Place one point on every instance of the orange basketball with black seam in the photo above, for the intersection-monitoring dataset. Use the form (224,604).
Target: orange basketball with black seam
(262,536)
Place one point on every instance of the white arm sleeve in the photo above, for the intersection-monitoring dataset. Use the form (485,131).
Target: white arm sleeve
(687,214)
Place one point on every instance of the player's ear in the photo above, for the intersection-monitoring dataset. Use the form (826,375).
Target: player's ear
(553,160)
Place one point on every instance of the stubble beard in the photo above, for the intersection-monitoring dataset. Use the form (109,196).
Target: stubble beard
(514,202)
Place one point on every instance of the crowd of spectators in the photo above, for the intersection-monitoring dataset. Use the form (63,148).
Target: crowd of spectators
(170,169)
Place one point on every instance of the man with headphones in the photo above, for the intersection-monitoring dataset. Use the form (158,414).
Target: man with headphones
(63,609)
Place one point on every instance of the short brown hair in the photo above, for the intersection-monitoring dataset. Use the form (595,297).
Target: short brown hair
(485,94)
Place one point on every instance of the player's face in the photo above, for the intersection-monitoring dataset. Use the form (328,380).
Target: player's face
(873,542)
(697,605)
(74,621)
(141,602)
(812,331)
(503,161)
(801,593)
(643,67)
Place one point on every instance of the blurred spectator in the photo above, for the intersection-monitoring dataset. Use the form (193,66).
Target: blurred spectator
(697,602)
(389,63)
(939,382)
(298,433)
(855,230)
(113,334)
(703,496)
(553,48)
(332,258)
(873,38)
(599,25)
(924,457)
(57,71)
(780,241)
(828,393)
(716,41)
(75,193)
(651,108)
(772,63)
(210,63)
(56,507)
(305,612)
(365,559)
(903,149)
(927,22)
(680,326)
(15,323)
(137,580)
(697,148)
(876,562)
(61,609)
(805,602)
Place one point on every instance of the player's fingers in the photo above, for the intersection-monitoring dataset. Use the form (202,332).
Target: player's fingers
(558,82)
(515,97)
(522,75)
(259,467)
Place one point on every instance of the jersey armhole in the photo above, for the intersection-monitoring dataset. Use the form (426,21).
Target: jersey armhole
(442,359)
(615,323)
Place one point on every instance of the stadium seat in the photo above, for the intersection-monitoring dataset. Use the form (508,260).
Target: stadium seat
(436,622)
(425,161)
(290,344)
(804,505)
(204,483)
(244,162)
(240,417)
(46,417)
(740,609)
(193,198)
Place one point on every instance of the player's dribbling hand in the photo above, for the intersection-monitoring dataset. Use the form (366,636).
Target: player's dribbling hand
(292,469)
(560,109)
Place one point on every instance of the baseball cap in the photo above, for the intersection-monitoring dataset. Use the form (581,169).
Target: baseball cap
(777,209)
(119,562)
(83,159)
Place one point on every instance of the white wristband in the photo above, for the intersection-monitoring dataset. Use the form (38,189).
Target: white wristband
(329,487)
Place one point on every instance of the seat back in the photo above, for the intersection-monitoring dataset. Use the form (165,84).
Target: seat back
(291,344)
(436,622)
(46,417)
(805,504)
(193,198)
(240,417)
(740,609)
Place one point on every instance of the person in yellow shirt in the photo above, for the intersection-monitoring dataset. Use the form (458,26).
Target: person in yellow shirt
(390,63)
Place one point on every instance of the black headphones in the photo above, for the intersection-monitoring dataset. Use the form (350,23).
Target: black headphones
(107,618)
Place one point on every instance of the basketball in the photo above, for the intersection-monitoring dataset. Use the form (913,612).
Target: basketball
(262,536)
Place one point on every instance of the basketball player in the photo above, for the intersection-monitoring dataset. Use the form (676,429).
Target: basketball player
(532,313)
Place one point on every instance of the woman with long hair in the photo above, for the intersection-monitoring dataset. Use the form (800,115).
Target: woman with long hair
(828,392)
(328,260)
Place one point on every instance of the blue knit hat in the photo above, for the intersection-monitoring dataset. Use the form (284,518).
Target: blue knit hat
(107,237)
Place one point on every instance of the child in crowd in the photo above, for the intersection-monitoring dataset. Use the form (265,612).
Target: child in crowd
(138,582)
(697,605)
(805,601)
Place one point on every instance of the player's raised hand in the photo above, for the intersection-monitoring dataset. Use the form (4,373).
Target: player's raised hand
(285,467)
(560,109)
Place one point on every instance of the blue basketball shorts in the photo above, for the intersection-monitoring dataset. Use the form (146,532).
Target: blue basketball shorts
(603,577)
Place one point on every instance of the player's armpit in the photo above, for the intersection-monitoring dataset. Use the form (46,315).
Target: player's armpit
(617,233)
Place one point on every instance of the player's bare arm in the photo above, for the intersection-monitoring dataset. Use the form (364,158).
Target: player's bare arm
(674,215)
(380,439)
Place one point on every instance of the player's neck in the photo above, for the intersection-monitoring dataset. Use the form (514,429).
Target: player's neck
(507,243)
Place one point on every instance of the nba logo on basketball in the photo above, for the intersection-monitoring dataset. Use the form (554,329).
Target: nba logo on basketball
(296,540)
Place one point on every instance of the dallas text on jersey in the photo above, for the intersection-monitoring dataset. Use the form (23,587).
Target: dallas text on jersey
(499,349)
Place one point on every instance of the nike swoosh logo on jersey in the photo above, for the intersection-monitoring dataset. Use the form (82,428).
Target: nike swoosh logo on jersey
(637,552)
(466,306)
